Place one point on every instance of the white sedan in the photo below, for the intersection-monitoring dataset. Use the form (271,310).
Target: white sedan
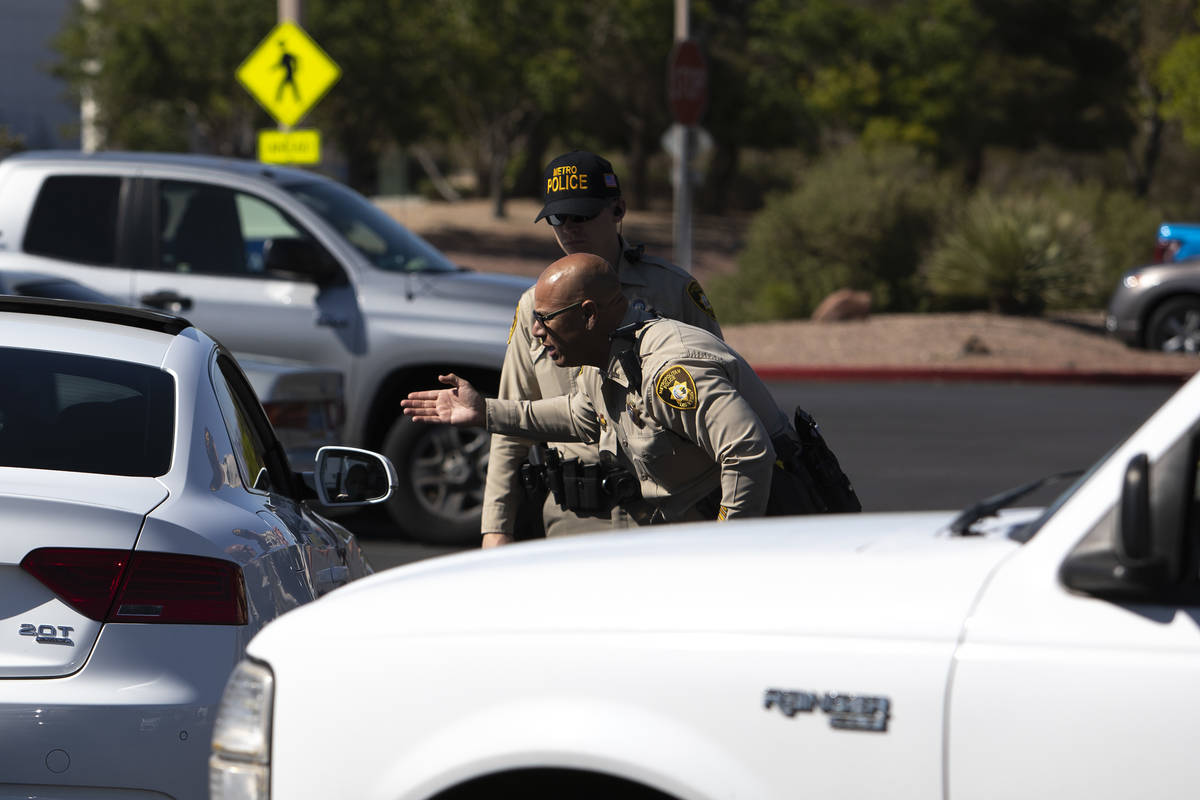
(152,526)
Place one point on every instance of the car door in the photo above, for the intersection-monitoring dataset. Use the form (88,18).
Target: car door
(207,265)
(265,473)
(1058,693)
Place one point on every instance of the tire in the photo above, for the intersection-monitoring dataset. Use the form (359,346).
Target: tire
(1174,327)
(442,471)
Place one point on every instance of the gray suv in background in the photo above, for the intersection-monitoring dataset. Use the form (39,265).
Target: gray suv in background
(282,263)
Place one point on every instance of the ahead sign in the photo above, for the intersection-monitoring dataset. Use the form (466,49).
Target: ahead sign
(687,83)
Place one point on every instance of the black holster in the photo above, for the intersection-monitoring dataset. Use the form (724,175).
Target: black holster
(586,487)
(808,478)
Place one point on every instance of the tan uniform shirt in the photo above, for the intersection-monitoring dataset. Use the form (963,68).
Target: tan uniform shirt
(699,420)
(528,374)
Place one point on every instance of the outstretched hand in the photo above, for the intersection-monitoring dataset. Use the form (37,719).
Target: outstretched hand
(460,405)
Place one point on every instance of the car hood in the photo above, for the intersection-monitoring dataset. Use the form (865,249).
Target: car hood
(878,575)
(465,286)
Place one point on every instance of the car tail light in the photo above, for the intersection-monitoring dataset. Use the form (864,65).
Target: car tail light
(116,586)
(1165,250)
(304,415)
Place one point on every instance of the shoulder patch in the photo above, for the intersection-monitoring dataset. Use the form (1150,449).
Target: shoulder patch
(700,298)
(676,388)
(513,327)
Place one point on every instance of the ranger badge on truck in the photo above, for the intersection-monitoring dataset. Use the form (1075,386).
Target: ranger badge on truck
(853,712)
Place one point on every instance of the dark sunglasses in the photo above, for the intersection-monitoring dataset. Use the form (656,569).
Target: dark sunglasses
(562,219)
(545,318)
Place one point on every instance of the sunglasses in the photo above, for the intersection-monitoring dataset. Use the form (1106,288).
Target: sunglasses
(545,318)
(562,219)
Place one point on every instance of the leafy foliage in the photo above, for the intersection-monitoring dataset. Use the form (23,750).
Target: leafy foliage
(1015,255)
(858,220)
(162,74)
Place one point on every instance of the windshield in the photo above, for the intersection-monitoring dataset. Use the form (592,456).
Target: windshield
(61,411)
(386,243)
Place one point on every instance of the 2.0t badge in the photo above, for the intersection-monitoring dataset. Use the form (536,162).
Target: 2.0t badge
(48,634)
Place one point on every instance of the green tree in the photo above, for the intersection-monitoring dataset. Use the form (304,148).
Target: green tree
(958,76)
(497,67)
(1178,79)
(162,74)
(385,93)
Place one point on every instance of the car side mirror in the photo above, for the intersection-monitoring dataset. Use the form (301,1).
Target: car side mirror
(1134,519)
(1124,564)
(346,477)
(1135,540)
(294,258)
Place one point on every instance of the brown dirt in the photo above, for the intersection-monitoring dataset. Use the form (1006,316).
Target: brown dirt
(469,234)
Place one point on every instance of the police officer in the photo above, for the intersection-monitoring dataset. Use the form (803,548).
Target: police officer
(671,401)
(584,207)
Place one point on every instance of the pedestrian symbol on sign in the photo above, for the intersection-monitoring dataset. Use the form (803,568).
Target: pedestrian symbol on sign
(287,62)
(288,73)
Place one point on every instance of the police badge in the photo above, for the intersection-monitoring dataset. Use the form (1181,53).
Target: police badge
(676,388)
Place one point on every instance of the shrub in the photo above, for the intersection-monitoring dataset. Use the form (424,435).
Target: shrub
(1125,227)
(1017,255)
(859,219)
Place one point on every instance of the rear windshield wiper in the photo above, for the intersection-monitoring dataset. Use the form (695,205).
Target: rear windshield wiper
(990,505)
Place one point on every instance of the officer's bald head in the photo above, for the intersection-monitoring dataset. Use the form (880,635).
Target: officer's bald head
(585,288)
(580,276)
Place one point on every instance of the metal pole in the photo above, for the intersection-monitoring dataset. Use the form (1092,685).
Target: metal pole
(90,139)
(288,11)
(683,180)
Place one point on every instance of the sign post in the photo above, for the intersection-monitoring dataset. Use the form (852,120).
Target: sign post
(288,73)
(687,94)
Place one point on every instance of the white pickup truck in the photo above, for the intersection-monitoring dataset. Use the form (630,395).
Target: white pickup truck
(1025,654)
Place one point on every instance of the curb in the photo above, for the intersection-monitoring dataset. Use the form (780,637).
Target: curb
(957,374)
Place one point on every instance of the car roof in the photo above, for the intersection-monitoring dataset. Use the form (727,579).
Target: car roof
(238,166)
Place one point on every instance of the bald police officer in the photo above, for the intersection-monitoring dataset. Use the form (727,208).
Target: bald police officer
(584,207)
(697,427)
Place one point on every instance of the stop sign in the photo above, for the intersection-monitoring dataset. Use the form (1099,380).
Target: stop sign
(687,83)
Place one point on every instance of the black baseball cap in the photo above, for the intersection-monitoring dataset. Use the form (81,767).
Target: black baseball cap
(579,183)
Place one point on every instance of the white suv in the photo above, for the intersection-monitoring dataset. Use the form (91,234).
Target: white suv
(288,264)
(918,655)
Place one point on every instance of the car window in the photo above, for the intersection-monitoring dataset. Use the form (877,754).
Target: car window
(249,430)
(383,241)
(78,413)
(75,219)
(212,230)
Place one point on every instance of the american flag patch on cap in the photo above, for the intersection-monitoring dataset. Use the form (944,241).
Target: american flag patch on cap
(610,180)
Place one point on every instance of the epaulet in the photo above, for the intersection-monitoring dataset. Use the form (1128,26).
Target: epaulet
(635,255)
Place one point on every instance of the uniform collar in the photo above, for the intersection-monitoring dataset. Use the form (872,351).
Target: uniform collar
(631,325)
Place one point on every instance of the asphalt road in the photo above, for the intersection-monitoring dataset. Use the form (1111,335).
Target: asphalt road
(925,445)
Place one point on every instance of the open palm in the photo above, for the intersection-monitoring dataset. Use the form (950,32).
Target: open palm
(459,405)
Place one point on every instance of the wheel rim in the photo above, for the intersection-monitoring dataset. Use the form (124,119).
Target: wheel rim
(448,471)
(1181,332)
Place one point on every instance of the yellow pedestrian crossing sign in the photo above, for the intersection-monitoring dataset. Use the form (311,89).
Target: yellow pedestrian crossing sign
(288,73)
